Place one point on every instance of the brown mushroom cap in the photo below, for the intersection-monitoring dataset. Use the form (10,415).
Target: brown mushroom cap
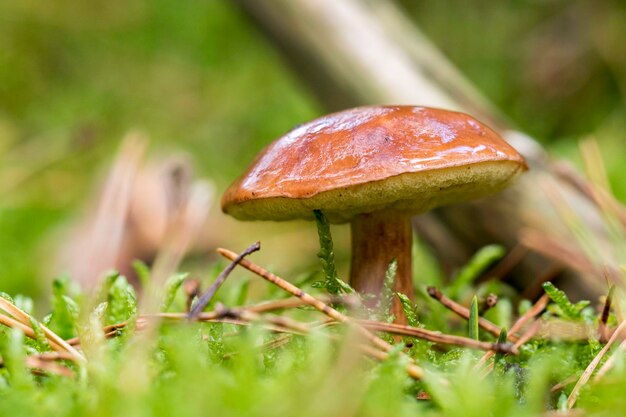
(403,158)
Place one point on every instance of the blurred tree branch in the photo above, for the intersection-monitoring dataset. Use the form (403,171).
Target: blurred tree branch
(355,52)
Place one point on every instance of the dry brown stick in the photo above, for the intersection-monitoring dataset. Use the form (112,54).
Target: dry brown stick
(532,312)
(464,312)
(413,370)
(567,381)
(436,337)
(56,342)
(44,362)
(279,304)
(108,330)
(37,363)
(206,297)
(53,356)
(249,316)
(211,317)
(603,331)
(571,400)
(40,367)
(293,302)
(532,330)
(14,324)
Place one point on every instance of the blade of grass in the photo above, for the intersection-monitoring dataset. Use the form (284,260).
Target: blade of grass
(473,319)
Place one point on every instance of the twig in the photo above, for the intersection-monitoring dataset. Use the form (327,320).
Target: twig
(532,312)
(436,337)
(464,312)
(249,316)
(14,324)
(567,381)
(54,356)
(413,370)
(56,342)
(571,400)
(43,362)
(603,335)
(205,298)
(38,363)
(348,300)
(532,330)
(212,316)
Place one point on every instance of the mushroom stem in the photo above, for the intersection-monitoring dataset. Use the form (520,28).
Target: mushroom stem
(377,238)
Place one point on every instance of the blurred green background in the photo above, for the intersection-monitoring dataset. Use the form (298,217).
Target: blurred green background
(196,76)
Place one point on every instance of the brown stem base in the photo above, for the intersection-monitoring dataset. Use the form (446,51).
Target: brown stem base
(377,238)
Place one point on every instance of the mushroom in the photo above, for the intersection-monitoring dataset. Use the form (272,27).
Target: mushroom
(375,167)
